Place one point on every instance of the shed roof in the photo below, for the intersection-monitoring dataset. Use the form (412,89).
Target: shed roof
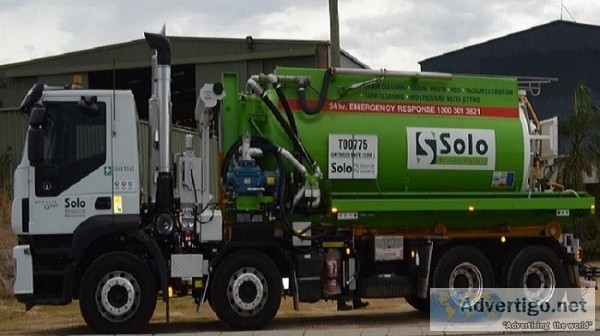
(185,50)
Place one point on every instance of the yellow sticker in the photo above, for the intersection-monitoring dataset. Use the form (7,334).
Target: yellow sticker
(117,204)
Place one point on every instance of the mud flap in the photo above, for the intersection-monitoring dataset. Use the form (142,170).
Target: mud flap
(424,270)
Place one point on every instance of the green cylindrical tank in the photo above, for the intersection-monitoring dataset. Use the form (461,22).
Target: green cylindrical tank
(407,133)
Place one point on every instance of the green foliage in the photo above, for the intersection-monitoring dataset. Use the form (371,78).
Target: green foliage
(590,228)
(581,131)
(588,232)
(591,249)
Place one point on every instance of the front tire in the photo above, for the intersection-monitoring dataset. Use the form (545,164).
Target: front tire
(460,268)
(464,269)
(117,294)
(246,290)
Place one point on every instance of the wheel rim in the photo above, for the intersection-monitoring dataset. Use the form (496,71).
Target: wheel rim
(247,291)
(117,296)
(465,281)
(539,282)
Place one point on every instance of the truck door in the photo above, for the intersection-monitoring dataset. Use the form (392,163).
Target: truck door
(74,183)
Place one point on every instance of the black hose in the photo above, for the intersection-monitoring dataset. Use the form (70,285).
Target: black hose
(287,109)
(288,114)
(288,227)
(287,129)
(195,212)
(322,96)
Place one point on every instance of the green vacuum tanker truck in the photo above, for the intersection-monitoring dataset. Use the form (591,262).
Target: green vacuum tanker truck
(318,184)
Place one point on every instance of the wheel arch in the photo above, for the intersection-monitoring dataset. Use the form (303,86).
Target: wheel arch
(104,234)
(271,250)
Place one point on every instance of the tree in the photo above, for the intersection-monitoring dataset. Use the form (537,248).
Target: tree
(581,131)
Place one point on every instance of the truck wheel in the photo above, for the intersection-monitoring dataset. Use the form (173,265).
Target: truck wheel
(539,272)
(117,294)
(246,290)
(420,304)
(464,268)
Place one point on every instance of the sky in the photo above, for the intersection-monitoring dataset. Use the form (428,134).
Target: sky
(391,34)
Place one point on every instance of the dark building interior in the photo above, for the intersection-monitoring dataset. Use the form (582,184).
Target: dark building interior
(183,91)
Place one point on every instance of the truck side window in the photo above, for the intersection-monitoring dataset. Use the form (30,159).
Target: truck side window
(75,146)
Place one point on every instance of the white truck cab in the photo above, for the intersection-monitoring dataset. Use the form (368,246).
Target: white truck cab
(77,182)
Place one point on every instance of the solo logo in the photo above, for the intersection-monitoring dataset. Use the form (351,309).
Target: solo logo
(76,203)
(451,148)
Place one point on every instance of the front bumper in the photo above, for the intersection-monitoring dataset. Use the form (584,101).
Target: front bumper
(23,286)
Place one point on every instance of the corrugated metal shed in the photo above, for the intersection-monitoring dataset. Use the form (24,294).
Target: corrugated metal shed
(560,49)
(210,56)
(12,138)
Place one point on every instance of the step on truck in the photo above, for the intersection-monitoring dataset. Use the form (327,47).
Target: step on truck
(338,183)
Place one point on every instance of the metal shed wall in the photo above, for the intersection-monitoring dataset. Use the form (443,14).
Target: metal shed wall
(13,129)
(565,50)
(14,89)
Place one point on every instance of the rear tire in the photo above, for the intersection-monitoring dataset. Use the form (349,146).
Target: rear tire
(246,290)
(117,294)
(539,271)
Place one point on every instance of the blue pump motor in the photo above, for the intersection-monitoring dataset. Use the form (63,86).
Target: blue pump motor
(247,178)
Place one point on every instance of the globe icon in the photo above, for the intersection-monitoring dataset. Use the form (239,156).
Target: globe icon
(450,307)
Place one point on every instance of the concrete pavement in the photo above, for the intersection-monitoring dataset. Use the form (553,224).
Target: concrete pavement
(392,331)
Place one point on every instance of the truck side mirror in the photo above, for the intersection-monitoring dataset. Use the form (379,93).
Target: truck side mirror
(32,98)
(35,137)
(35,147)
